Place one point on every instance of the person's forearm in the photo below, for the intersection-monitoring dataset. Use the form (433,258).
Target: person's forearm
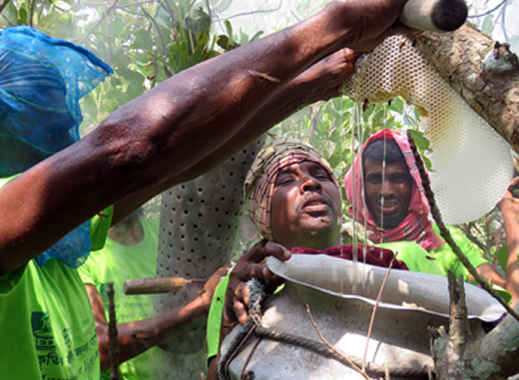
(511,222)
(213,101)
(137,337)
(283,104)
(321,81)
(154,140)
(307,88)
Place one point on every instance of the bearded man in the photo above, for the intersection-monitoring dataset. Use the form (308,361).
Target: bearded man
(385,190)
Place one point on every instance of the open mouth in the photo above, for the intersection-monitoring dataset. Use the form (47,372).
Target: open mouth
(315,206)
(388,206)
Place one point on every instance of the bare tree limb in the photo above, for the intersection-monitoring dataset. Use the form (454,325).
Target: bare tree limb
(503,23)
(458,326)
(31,12)
(4,4)
(468,233)
(314,324)
(113,345)
(374,312)
(257,11)
(495,355)
(445,234)
(96,25)
(489,11)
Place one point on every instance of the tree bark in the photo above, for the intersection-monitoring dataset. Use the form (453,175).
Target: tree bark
(495,354)
(482,71)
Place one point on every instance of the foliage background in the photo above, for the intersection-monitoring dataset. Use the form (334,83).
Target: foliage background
(146,41)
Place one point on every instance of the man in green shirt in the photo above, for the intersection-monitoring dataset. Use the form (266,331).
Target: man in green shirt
(294,200)
(391,202)
(130,251)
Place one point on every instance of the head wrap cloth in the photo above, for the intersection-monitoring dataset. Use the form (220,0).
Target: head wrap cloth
(261,179)
(416,226)
(41,82)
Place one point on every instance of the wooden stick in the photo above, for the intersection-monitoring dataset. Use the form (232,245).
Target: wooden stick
(156,285)
(323,339)
(374,312)
(113,341)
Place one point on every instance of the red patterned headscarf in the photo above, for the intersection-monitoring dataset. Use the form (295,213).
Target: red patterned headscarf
(416,226)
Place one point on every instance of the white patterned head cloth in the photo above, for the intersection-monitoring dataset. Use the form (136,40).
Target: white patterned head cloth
(261,179)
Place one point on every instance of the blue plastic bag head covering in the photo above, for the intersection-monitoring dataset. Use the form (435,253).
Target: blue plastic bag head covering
(41,82)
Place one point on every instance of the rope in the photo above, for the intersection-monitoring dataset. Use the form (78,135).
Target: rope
(253,327)
(256,289)
(375,370)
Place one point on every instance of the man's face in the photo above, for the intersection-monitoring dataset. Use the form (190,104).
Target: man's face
(388,200)
(305,207)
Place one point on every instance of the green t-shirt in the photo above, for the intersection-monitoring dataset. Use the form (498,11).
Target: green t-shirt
(440,260)
(117,263)
(48,329)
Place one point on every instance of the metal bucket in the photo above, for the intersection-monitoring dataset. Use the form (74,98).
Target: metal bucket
(399,338)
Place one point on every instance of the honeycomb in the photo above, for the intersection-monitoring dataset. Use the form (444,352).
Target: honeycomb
(471,164)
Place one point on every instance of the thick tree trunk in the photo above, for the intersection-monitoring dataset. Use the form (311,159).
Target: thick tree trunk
(491,357)
(496,354)
(482,71)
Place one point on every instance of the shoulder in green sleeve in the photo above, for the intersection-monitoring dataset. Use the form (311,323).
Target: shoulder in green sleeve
(448,259)
(414,256)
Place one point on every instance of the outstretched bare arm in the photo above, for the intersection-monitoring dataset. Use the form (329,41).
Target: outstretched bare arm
(509,206)
(138,336)
(154,141)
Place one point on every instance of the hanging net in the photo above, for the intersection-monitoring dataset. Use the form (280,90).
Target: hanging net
(471,164)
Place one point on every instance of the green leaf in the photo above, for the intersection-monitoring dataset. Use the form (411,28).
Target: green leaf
(143,40)
(488,25)
(502,257)
(22,15)
(256,36)
(378,118)
(228,28)
(10,12)
(89,106)
(420,140)
(423,144)
(397,105)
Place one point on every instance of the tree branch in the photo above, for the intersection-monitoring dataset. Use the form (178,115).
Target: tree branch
(458,326)
(4,4)
(464,59)
(31,12)
(445,234)
(496,353)
(489,11)
(105,15)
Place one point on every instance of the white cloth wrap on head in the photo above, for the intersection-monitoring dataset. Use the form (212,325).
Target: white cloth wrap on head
(471,164)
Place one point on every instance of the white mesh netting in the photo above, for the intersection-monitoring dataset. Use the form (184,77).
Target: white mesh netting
(472,165)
